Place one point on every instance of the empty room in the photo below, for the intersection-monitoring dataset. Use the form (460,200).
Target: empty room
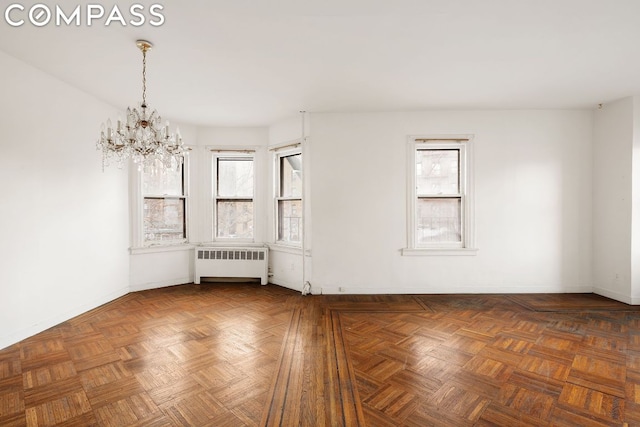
(320,213)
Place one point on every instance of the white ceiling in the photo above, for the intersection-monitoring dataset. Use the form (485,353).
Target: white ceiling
(253,62)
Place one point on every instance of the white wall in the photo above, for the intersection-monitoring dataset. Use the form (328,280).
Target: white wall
(612,186)
(161,267)
(64,223)
(153,268)
(532,211)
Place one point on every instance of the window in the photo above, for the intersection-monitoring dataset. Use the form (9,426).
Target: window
(164,204)
(233,196)
(289,198)
(440,205)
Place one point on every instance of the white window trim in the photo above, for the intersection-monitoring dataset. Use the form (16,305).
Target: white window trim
(138,245)
(467,246)
(285,150)
(226,153)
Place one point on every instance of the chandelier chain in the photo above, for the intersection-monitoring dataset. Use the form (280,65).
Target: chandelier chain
(144,76)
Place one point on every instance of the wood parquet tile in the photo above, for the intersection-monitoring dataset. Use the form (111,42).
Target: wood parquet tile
(251,355)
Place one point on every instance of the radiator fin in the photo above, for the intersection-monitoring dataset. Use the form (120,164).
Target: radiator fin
(238,255)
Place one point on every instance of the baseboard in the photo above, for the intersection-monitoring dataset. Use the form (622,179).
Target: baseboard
(275,280)
(477,289)
(45,324)
(627,299)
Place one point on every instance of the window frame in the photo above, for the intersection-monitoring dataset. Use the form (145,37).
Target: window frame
(216,155)
(461,143)
(294,150)
(137,198)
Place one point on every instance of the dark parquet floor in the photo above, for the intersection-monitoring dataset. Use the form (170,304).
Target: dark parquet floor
(251,355)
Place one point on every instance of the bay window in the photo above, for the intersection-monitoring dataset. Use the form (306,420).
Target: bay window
(233,197)
(289,198)
(164,204)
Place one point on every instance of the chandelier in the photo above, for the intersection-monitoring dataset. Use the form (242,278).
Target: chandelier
(141,136)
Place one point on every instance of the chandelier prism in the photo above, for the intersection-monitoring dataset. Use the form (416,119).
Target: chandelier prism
(141,136)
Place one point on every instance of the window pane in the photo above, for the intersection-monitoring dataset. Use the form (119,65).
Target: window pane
(289,220)
(235,177)
(164,219)
(234,219)
(437,172)
(438,221)
(291,176)
(157,180)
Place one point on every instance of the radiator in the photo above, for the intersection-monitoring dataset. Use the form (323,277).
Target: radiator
(232,262)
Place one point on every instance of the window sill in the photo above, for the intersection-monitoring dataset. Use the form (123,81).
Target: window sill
(439,252)
(231,244)
(164,248)
(295,250)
